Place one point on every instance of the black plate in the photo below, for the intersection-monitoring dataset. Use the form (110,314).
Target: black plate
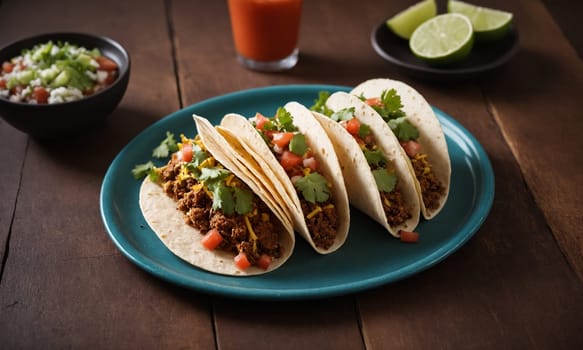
(482,58)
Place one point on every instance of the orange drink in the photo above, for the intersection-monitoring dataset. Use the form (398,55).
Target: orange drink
(266,32)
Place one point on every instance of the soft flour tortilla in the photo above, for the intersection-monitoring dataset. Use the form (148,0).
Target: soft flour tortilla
(184,241)
(431,136)
(267,167)
(228,153)
(360,182)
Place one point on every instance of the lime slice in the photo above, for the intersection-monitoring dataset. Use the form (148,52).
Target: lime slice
(444,39)
(489,24)
(405,22)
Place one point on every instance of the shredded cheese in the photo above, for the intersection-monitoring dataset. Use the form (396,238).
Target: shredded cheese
(314,212)
(252,234)
(386,202)
(328,206)
(207,163)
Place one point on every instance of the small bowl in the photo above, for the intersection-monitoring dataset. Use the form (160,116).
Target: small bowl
(54,120)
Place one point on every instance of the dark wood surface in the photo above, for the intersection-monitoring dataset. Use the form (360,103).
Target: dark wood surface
(518,283)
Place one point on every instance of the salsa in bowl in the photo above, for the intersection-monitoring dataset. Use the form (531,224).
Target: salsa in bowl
(61,83)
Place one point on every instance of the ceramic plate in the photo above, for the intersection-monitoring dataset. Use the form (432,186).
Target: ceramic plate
(483,58)
(370,257)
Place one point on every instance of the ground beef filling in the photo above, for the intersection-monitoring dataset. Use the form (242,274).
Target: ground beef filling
(432,189)
(322,221)
(394,206)
(196,204)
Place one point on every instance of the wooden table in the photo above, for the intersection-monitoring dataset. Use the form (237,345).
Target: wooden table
(516,284)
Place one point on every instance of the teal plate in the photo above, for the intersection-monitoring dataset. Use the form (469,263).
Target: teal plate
(370,256)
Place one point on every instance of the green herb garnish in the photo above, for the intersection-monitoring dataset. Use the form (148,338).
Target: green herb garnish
(314,188)
(166,147)
(386,181)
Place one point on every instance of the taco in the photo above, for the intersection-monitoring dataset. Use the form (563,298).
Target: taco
(420,134)
(206,213)
(294,156)
(379,182)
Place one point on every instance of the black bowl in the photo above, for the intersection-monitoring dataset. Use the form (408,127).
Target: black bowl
(54,120)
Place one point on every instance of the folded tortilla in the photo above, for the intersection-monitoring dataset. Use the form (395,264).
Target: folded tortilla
(168,222)
(360,182)
(431,136)
(267,167)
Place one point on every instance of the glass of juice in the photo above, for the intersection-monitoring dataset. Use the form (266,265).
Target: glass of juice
(266,32)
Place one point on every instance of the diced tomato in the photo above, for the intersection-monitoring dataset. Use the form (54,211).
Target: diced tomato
(7,67)
(106,63)
(353,126)
(311,163)
(411,147)
(2,83)
(282,139)
(289,160)
(409,236)
(40,94)
(260,121)
(374,102)
(185,154)
(264,261)
(212,239)
(241,261)
(110,77)
(17,90)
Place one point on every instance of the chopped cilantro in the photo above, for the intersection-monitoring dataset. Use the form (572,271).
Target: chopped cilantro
(403,129)
(343,114)
(364,130)
(198,156)
(141,170)
(298,144)
(213,174)
(385,181)
(223,198)
(243,200)
(284,120)
(314,188)
(391,105)
(374,158)
(166,147)
(320,104)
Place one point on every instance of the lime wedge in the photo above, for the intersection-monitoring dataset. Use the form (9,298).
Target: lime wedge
(405,22)
(444,39)
(489,24)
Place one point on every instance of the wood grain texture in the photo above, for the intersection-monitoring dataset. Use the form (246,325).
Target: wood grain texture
(65,285)
(537,104)
(10,173)
(516,284)
(494,291)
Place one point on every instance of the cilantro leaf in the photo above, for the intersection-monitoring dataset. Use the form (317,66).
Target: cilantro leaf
(166,147)
(285,120)
(403,129)
(298,144)
(314,188)
(364,130)
(392,101)
(243,200)
(386,181)
(391,106)
(374,158)
(141,170)
(343,114)
(320,104)
(223,199)
(213,174)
